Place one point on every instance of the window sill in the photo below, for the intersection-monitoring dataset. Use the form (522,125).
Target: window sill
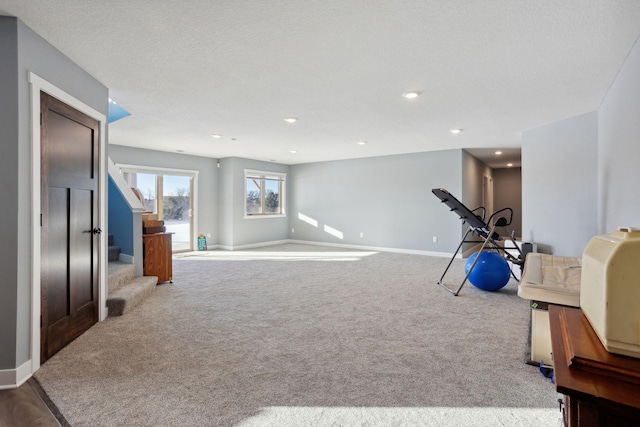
(264,216)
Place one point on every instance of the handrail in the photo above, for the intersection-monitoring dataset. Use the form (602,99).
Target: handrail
(134,203)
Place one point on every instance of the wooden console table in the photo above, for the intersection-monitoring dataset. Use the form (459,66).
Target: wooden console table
(600,388)
(157,256)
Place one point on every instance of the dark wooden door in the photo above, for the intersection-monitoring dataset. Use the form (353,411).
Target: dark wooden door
(70,241)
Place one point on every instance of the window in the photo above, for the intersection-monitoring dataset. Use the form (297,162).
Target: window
(264,194)
(171,194)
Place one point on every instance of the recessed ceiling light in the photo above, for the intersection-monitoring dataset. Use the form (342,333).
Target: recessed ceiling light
(411,95)
(362,142)
(455,131)
(498,153)
(216,135)
(290,119)
(293,151)
(509,164)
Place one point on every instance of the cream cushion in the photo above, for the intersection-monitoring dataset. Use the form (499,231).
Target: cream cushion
(550,278)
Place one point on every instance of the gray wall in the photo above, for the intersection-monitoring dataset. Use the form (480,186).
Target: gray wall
(579,175)
(619,149)
(226,190)
(507,193)
(22,51)
(559,185)
(472,172)
(237,231)
(207,179)
(387,198)
(10,213)
(220,194)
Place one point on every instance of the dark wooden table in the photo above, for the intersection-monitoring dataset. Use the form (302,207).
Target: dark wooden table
(600,388)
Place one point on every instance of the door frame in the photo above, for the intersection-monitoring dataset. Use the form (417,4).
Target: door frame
(37,85)
(487,194)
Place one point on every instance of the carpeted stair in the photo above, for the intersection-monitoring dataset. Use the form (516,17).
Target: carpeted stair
(125,289)
(114,251)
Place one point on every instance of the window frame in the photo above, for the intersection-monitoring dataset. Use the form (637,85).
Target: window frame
(162,171)
(265,175)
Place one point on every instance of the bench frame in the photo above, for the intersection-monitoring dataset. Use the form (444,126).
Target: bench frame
(485,232)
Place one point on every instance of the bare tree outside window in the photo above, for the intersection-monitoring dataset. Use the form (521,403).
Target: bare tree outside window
(176,205)
(264,194)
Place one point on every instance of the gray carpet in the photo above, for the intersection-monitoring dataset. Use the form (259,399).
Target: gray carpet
(297,335)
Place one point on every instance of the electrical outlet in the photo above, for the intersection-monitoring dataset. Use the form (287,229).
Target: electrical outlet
(362,234)
(208,235)
(293,230)
(435,239)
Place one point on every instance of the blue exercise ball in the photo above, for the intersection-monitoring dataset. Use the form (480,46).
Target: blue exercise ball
(491,273)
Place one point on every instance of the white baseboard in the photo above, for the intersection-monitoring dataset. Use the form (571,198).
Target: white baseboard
(250,246)
(14,378)
(127,259)
(335,245)
(376,248)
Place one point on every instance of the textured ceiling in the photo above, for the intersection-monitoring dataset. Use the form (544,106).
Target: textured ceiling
(188,69)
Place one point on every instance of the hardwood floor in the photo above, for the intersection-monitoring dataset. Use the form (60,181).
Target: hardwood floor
(29,406)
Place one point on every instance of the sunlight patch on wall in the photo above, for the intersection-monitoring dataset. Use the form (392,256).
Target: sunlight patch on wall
(337,233)
(307,219)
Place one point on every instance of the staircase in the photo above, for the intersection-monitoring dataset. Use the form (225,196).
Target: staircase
(125,289)
(114,251)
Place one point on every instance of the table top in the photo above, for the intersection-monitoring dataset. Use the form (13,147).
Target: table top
(583,367)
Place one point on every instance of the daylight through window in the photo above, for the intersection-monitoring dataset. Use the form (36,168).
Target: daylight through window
(264,193)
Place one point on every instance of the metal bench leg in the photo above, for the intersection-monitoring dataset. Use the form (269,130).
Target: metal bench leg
(475,261)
